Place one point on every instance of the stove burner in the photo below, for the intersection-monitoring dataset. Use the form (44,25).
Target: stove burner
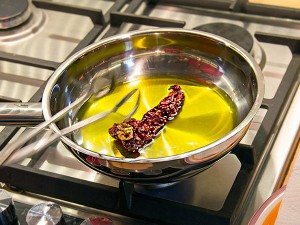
(232,32)
(30,26)
(13,13)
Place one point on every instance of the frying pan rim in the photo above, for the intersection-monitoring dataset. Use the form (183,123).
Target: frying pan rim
(239,128)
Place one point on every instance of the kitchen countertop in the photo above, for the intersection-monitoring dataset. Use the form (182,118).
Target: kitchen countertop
(281,3)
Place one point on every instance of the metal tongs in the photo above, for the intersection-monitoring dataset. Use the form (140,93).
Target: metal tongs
(7,157)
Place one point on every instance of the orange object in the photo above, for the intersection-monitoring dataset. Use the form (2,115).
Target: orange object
(271,218)
(267,213)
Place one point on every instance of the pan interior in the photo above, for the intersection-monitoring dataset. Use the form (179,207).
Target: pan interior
(208,114)
(219,85)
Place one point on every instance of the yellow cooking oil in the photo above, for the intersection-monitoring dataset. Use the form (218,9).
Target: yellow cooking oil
(207,115)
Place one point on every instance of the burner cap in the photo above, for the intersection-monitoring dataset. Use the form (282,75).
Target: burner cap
(13,13)
(234,33)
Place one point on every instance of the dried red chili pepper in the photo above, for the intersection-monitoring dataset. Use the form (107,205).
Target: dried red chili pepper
(135,134)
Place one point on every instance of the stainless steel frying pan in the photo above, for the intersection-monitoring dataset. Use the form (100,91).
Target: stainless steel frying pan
(186,54)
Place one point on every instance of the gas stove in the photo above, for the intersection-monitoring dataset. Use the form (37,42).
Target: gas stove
(39,35)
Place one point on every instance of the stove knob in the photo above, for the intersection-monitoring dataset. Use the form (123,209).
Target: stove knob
(7,209)
(95,220)
(46,213)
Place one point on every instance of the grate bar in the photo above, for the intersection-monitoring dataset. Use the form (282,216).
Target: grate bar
(95,15)
(29,61)
(118,18)
(273,11)
(292,42)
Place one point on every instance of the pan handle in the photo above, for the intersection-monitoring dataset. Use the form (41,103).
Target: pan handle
(21,113)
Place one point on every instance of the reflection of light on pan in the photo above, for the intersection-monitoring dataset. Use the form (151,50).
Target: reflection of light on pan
(166,145)
(140,42)
(138,68)
(128,46)
(129,62)
(145,101)
(234,93)
(206,66)
(224,80)
(134,83)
